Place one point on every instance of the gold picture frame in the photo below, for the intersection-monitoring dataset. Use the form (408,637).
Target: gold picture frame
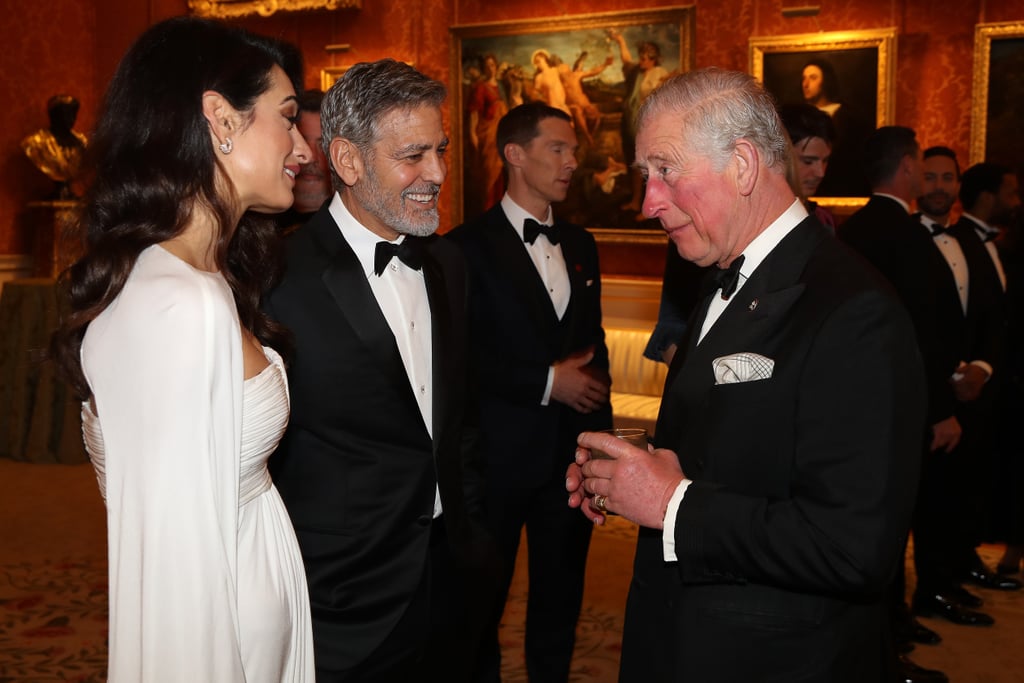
(330,74)
(864,63)
(998,56)
(231,9)
(586,42)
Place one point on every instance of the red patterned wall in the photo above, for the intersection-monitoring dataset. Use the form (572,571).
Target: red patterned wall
(73,45)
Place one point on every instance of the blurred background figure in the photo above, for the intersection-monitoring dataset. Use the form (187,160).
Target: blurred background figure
(313,184)
(812,134)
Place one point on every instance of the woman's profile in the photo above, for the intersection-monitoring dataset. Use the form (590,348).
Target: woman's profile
(184,397)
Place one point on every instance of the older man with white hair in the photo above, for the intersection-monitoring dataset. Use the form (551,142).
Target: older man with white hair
(776,500)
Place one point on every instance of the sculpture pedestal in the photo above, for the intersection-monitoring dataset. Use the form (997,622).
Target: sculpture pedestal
(55,242)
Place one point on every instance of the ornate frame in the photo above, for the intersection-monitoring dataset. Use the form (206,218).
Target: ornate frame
(226,9)
(329,74)
(883,41)
(553,34)
(984,36)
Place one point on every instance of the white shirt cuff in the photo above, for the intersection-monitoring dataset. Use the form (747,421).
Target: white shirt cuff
(547,389)
(668,532)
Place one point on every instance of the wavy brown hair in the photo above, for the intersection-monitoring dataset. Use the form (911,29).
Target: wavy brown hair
(151,163)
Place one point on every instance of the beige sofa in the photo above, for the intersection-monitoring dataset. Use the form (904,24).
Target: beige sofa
(637,382)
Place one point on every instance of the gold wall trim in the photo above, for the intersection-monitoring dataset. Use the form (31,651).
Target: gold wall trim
(227,9)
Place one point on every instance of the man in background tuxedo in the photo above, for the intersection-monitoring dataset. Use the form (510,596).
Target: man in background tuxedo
(542,367)
(313,181)
(989,196)
(775,507)
(378,466)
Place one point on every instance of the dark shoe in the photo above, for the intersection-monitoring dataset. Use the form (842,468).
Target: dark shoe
(982,576)
(947,607)
(910,631)
(965,597)
(908,672)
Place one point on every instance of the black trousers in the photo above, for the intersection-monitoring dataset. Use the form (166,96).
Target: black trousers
(558,539)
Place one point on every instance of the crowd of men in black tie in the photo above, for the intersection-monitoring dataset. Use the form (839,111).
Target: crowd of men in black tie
(957,280)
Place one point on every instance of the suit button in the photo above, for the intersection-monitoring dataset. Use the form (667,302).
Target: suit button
(424,520)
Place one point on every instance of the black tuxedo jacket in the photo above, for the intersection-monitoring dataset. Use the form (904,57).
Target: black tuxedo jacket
(901,249)
(803,483)
(986,306)
(357,467)
(516,338)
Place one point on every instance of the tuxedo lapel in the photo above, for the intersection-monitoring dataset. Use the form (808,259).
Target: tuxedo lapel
(758,312)
(572,255)
(440,333)
(511,258)
(345,280)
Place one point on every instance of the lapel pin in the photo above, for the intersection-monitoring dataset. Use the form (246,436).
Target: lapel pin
(753,305)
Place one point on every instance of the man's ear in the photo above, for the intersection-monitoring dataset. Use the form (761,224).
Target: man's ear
(220,115)
(747,160)
(346,160)
(513,153)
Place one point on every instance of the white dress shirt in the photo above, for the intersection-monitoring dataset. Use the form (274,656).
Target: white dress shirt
(550,264)
(753,255)
(401,294)
(954,255)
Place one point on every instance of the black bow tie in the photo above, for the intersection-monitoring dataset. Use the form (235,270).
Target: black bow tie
(532,228)
(407,251)
(934,228)
(990,235)
(727,279)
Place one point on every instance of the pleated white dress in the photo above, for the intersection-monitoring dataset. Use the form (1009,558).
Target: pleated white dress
(206,577)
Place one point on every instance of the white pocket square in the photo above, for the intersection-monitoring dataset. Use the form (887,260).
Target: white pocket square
(742,367)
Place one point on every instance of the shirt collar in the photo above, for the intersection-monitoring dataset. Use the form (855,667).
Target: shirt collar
(764,243)
(362,240)
(928,222)
(905,205)
(985,227)
(517,215)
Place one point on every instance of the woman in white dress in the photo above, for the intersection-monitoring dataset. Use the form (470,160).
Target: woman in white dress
(184,398)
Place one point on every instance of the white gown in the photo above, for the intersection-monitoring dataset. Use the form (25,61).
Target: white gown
(206,578)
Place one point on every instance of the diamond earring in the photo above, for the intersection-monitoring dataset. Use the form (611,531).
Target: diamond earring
(226,146)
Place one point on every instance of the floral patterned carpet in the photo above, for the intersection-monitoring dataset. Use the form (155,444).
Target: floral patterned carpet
(53,598)
(53,622)
(599,630)
(53,618)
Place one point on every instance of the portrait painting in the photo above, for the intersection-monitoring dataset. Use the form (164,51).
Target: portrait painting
(597,68)
(846,74)
(998,94)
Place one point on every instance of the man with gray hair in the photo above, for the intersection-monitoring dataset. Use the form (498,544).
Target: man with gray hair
(378,466)
(776,499)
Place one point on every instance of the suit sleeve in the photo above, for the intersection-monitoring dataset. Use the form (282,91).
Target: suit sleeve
(855,440)
(167,380)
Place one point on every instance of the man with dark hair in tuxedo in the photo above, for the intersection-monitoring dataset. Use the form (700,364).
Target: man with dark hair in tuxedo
(542,367)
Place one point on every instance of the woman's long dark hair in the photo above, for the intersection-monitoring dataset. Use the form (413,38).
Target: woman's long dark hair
(151,163)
